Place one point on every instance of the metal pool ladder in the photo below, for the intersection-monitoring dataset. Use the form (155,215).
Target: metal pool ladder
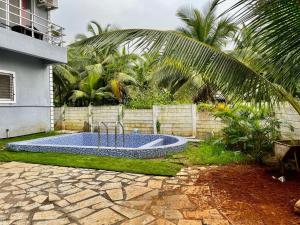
(99,133)
(116,133)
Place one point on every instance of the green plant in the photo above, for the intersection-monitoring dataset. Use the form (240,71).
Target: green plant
(209,152)
(98,77)
(158,125)
(147,98)
(94,28)
(273,29)
(230,76)
(248,129)
(202,26)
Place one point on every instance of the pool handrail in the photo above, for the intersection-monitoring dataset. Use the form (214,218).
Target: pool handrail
(99,133)
(106,127)
(116,133)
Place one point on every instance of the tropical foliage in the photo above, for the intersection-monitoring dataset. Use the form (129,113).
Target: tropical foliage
(94,28)
(107,76)
(228,75)
(148,97)
(188,64)
(97,77)
(273,32)
(248,129)
(206,27)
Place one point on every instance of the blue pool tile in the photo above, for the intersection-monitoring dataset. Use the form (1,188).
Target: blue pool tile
(134,146)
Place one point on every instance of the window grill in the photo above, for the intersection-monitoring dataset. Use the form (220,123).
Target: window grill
(7,87)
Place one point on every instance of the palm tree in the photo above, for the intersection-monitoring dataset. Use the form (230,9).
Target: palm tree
(89,92)
(273,33)
(94,28)
(95,77)
(64,82)
(230,76)
(207,28)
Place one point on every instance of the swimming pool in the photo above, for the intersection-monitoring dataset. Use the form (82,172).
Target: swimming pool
(134,146)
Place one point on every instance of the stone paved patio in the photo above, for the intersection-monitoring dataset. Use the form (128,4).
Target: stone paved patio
(39,195)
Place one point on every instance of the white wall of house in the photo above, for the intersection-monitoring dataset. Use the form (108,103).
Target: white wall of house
(31,111)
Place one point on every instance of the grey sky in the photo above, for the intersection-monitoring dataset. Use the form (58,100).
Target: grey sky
(158,14)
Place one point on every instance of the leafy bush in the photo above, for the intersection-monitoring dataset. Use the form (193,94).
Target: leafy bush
(146,99)
(248,129)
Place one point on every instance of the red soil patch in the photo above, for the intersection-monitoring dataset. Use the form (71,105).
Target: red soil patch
(249,195)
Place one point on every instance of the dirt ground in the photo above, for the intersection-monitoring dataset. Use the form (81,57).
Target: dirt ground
(249,195)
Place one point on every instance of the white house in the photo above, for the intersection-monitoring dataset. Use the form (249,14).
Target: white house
(29,44)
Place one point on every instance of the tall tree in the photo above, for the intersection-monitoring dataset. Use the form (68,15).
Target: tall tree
(94,28)
(96,77)
(229,75)
(206,27)
(273,31)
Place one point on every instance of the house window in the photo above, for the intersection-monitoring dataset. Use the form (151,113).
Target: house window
(7,87)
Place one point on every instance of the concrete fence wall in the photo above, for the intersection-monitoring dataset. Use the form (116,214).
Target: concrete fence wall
(141,119)
(76,118)
(106,114)
(207,125)
(289,117)
(176,120)
(183,120)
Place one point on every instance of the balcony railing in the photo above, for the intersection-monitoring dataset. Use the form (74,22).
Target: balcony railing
(23,21)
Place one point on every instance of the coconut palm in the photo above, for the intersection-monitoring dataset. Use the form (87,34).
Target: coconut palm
(230,76)
(64,81)
(273,31)
(94,28)
(89,91)
(207,28)
(95,77)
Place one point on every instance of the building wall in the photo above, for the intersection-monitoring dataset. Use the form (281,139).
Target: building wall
(41,12)
(31,112)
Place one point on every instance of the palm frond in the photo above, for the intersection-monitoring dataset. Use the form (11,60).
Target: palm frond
(78,95)
(104,95)
(275,27)
(94,28)
(80,37)
(126,79)
(89,83)
(116,89)
(64,73)
(231,76)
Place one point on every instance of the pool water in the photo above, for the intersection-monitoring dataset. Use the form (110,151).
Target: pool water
(134,146)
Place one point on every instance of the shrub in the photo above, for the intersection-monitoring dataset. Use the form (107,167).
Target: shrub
(248,129)
(148,98)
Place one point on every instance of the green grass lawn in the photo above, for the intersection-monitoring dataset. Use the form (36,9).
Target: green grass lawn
(3,142)
(208,153)
(155,167)
(205,153)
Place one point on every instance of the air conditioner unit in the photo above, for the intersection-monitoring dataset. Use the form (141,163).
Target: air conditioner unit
(48,4)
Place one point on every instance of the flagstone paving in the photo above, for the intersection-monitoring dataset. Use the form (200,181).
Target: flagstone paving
(45,195)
